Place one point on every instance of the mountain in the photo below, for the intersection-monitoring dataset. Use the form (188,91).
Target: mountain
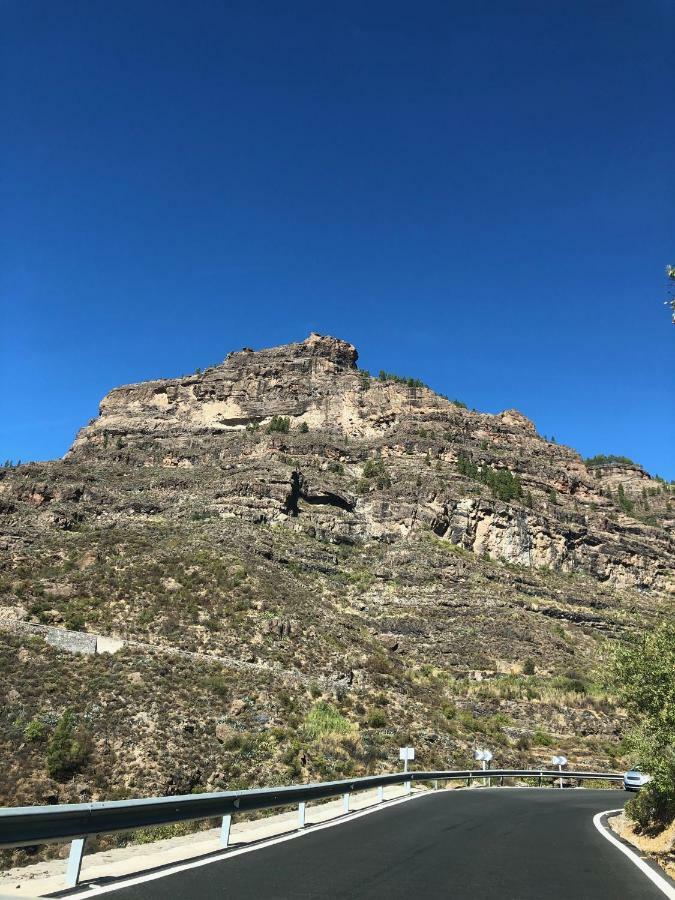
(299,566)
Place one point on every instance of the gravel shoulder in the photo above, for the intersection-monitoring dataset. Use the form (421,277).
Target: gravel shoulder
(659,848)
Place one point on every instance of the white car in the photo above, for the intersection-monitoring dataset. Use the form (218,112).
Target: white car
(635,779)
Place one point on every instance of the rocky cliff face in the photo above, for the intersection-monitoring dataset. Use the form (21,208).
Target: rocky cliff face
(283,531)
(432,456)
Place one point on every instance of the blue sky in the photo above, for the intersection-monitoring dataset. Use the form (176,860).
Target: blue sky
(476,194)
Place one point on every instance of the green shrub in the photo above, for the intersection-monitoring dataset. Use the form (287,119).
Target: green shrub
(74,620)
(503,483)
(376,718)
(528,667)
(68,748)
(280,424)
(398,379)
(375,469)
(162,832)
(303,428)
(607,460)
(324,718)
(644,672)
(574,685)
(655,802)
(34,731)
(218,684)
(542,739)
(624,502)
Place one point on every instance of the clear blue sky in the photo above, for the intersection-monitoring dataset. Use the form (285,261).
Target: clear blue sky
(477,194)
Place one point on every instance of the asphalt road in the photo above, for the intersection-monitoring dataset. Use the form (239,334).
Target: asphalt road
(508,844)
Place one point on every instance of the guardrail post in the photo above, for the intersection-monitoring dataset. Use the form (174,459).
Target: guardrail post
(435,784)
(345,802)
(225,831)
(75,862)
(301,813)
(408,787)
(380,793)
(540,781)
(501,781)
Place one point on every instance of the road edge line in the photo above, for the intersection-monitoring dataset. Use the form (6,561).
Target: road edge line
(646,869)
(172,869)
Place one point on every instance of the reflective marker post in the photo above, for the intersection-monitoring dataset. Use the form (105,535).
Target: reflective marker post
(225,831)
(75,862)
(406,753)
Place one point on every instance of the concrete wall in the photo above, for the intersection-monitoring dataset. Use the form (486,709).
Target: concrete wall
(108,644)
(70,641)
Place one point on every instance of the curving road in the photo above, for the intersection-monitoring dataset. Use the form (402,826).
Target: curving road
(491,843)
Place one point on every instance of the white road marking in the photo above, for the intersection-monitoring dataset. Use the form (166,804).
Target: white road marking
(653,876)
(95,890)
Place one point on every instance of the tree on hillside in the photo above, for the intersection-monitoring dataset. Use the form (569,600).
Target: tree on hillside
(645,674)
(68,748)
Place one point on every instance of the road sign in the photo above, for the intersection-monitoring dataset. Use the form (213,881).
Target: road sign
(482,755)
(406,753)
(559,761)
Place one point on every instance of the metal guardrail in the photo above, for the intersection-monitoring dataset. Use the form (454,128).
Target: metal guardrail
(30,825)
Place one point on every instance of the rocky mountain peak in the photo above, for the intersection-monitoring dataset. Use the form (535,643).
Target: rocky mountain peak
(341,353)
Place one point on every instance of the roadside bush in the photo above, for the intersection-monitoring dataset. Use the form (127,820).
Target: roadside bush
(654,805)
(644,672)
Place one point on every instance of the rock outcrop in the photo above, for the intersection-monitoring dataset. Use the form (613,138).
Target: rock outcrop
(311,475)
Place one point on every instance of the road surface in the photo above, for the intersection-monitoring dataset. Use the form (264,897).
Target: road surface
(530,844)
